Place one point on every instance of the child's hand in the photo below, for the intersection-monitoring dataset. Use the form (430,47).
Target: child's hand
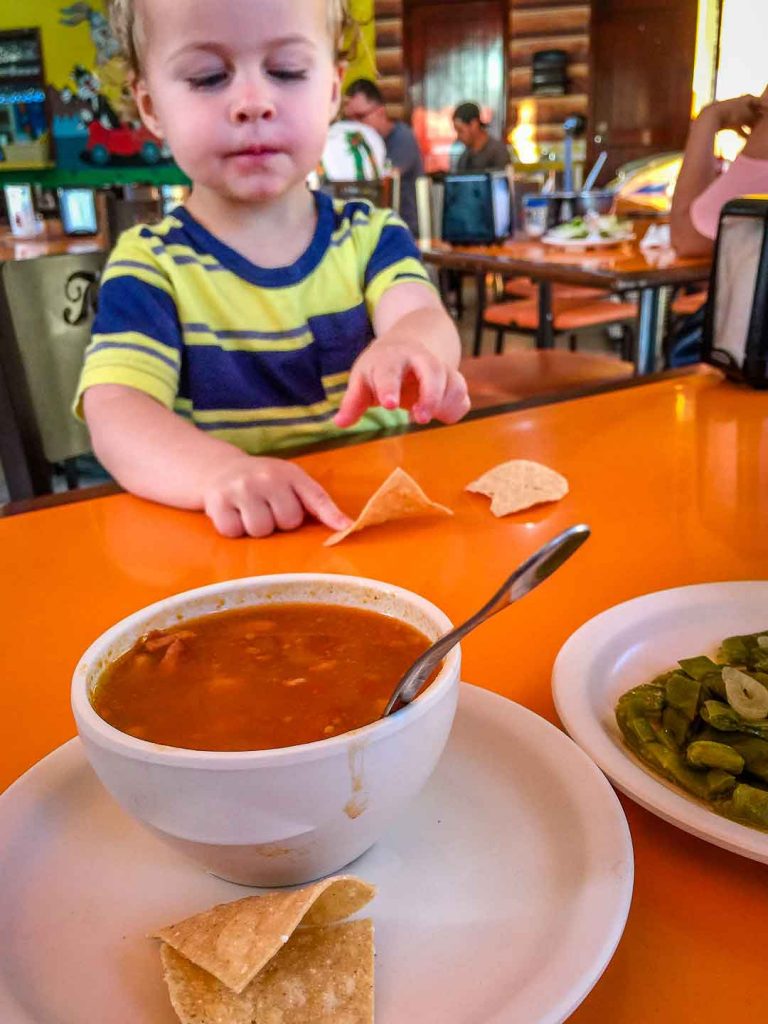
(256,496)
(380,373)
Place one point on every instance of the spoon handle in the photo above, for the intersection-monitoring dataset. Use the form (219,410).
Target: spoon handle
(530,574)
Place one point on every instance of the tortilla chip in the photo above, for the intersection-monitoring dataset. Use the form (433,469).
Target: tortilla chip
(233,941)
(399,497)
(321,976)
(518,484)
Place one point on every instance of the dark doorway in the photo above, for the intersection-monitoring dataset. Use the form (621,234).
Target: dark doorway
(454,52)
(642,71)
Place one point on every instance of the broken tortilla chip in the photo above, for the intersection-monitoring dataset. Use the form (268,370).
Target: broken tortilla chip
(322,975)
(518,484)
(399,497)
(234,941)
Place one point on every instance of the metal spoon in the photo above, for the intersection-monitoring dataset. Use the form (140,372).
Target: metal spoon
(530,574)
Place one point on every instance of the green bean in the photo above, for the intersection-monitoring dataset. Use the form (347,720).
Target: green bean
(698,667)
(708,754)
(675,725)
(682,692)
(719,783)
(723,717)
(749,804)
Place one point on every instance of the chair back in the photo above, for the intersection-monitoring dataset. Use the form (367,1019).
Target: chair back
(46,311)
(378,191)
(736,320)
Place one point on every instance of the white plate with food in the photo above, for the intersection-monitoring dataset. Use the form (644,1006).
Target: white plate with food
(502,890)
(632,644)
(587,241)
(591,231)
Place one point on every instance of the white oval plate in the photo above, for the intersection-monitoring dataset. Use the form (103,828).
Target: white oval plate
(502,890)
(630,644)
(592,242)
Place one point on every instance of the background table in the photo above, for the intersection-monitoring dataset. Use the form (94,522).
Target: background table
(52,242)
(672,477)
(620,269)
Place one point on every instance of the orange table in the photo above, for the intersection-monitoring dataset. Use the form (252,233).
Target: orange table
(672,476)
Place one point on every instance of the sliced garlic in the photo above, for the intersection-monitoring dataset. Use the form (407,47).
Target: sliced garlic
(746,696)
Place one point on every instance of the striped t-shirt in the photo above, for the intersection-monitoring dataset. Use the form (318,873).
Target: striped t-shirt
(257,357)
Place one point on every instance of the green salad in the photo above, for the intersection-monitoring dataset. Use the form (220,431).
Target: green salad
(704,726)
(592,226)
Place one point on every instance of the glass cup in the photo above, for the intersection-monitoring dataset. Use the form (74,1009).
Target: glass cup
(535,215)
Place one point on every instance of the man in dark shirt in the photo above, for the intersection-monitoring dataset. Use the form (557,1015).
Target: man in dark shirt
(481,151)
(364,102)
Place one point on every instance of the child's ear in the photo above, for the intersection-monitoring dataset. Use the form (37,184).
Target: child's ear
(338,75)
(145,106)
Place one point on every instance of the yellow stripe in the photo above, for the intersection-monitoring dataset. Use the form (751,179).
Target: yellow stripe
(143,378)
(135,338)
(209,340)
(148,275)
(387,279)
(330,380)
(256,440)
(287,413)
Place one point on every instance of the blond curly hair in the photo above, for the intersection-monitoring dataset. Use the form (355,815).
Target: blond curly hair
(127,29)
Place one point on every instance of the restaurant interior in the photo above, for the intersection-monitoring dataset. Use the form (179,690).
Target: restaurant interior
(273,462)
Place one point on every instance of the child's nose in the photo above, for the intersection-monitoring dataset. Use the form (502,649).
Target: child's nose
(252,104)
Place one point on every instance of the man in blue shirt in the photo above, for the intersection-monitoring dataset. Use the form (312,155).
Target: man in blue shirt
(364,102)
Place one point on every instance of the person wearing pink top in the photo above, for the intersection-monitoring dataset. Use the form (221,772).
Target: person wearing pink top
(701,191)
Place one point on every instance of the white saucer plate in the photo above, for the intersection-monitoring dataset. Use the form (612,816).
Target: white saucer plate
(630,644)
(592,242)
(502,890)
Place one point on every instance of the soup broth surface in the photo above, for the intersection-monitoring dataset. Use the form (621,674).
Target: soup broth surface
(258,678)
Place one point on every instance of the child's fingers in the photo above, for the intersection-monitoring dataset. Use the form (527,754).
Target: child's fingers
(432,377)
(257,517)
(386,382)
(319,503)
(455,402)
(356,400)
(224,516)
(287,509)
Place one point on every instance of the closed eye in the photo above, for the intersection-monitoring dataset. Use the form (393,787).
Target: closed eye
(208,81)
(285,75)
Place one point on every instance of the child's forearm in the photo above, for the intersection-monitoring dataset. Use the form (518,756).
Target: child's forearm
(432,328)
(150,450)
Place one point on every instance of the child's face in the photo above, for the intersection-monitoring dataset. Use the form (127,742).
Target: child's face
(242,90)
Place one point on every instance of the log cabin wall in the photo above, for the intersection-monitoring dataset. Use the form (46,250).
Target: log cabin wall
(533,25)
(389,55)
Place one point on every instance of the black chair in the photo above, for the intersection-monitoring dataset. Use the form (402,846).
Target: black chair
(46,311)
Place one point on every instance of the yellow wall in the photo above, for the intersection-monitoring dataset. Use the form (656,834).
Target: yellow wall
(63,47)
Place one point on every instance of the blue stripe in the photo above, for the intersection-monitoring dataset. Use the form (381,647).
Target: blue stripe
(348,211)
(128,304)
(341,337)
(217,379)
(136,264)
(134,348)
(293,332)
(409,276)
(395,244)
(245,425)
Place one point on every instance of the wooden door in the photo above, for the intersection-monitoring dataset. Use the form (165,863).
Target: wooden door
(454,51)
(642,71)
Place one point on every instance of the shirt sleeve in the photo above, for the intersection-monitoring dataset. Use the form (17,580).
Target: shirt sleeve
(746,176)
(393,260)
(136,338)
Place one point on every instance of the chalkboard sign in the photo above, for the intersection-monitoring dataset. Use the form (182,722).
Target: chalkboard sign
(21,55)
